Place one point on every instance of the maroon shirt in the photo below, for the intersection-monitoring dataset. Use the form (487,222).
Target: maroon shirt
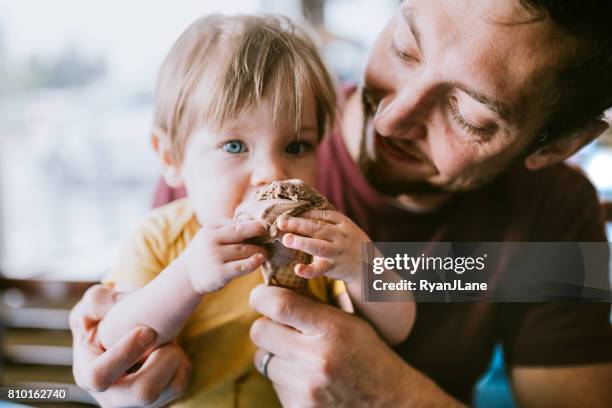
(452,342)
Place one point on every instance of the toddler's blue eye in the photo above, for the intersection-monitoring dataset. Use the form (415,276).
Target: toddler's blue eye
(234,147)
(296,148)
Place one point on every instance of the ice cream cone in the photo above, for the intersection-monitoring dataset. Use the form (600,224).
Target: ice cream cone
(287,197)
(279,270)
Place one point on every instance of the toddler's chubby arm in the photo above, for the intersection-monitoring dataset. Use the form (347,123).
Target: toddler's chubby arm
(215,256)
(335,242)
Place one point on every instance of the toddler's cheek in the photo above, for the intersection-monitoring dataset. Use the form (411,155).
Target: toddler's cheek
(210,210)
(309,175)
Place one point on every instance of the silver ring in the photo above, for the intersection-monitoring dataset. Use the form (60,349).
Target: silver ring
(263,365)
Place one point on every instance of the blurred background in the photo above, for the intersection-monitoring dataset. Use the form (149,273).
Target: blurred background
(76,169)
(76,97)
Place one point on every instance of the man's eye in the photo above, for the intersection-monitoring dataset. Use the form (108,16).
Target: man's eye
(404,56)
(471,129)
(296,148)
(234,147)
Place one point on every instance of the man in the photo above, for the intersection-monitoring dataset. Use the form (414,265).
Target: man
(468,108)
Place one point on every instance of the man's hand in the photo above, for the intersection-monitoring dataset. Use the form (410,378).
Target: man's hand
(164,373)
(325,357)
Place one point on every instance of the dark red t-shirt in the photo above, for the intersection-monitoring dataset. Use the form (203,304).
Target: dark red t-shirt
(452,342)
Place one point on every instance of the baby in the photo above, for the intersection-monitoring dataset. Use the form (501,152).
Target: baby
(241,102)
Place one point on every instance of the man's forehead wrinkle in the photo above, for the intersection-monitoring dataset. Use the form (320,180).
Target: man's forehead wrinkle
(518,54)
(503,63)
(450,26)
(506,13)
(460,35)
(531,48)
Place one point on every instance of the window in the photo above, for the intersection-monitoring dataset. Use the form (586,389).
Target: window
(76,92)
(76,95)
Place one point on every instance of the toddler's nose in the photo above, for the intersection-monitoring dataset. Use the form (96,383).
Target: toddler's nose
(267,172)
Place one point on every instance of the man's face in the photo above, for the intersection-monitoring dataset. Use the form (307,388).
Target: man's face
(456,92)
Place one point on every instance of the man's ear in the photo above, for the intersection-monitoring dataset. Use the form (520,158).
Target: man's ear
(171,170)
(562,148)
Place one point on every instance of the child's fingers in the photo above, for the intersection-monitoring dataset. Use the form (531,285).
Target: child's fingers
(307,227)
(234,252)
(239,231)
(330,216)
(312,246)
(241,267)
(313,270)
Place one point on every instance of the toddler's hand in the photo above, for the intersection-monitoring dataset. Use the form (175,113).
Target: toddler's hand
(332,239)
(218,254)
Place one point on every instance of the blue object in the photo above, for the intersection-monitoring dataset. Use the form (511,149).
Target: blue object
(493,389)
(4,404)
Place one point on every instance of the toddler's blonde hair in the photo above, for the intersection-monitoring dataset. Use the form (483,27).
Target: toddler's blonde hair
(222,65)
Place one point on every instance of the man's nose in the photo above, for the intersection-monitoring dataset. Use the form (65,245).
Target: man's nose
(404,114)
(266,172)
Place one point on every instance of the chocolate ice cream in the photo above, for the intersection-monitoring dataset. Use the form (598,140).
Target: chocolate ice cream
(287,197)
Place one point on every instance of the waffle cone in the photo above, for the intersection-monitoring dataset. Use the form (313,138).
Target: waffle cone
(280,269)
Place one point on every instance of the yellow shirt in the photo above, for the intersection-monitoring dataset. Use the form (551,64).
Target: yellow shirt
(216,337)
